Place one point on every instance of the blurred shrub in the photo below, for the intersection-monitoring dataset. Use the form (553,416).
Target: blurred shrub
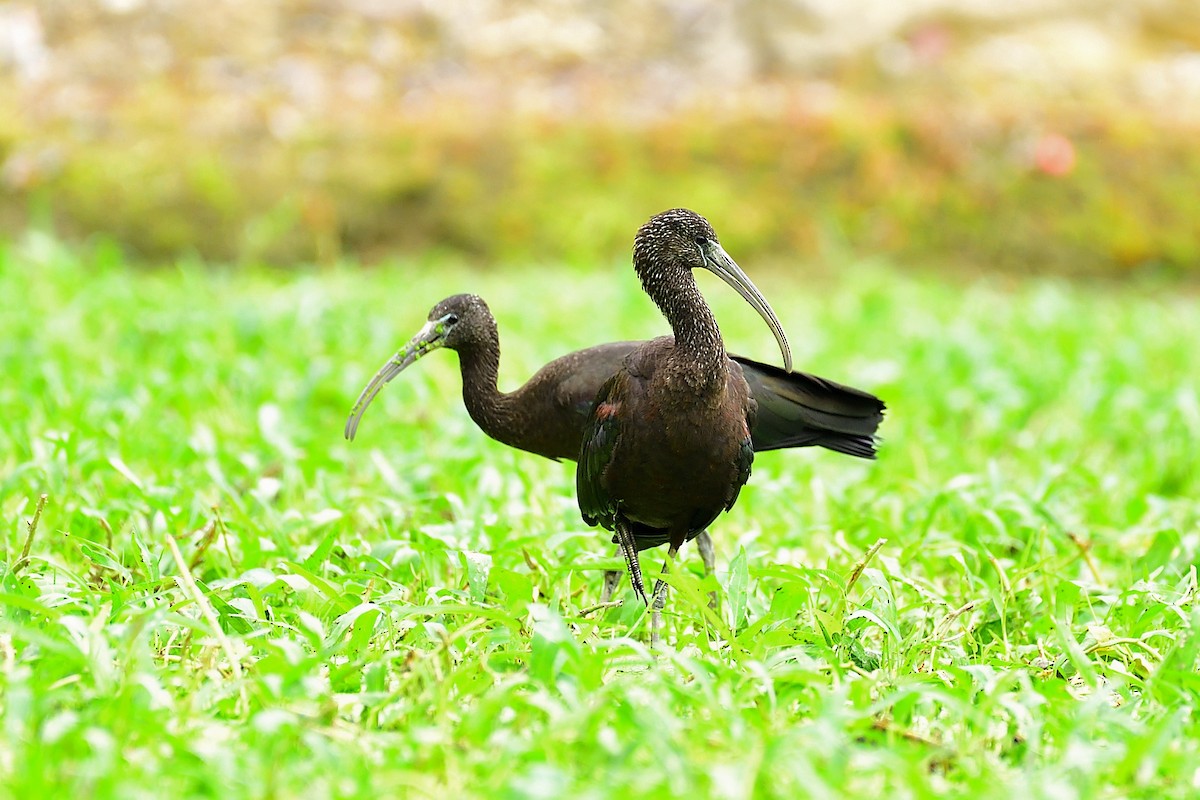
(1030,136)
(914,183)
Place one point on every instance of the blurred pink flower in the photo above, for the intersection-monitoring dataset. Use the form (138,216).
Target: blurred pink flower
(929,43)
(1054,155)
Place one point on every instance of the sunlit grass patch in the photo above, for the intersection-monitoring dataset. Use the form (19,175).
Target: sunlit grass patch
(412,613)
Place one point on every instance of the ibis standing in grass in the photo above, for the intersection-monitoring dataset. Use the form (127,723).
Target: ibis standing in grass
(549,414)
(668,445)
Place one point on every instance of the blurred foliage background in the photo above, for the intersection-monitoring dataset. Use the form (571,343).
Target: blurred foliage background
(1035,135)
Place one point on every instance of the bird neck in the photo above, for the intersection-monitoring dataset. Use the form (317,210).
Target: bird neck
(699,354)
(490,408)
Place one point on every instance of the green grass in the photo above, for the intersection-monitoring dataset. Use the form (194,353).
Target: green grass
(401,616)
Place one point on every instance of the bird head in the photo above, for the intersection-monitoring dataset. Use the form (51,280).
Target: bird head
(678,241)
(458,323)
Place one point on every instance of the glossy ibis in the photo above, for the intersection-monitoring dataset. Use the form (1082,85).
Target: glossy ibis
(668,444)
(547,415)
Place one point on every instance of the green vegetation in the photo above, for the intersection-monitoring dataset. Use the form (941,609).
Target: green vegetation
(404,615)
(906,181)
(971,136)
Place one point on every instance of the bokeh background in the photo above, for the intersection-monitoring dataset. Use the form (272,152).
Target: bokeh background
(1031,135)
(218,218)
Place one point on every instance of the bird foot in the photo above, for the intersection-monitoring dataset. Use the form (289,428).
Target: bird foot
(660,600)
(628,547)
(708,555)
(612,579)
(660,594)
(656,616)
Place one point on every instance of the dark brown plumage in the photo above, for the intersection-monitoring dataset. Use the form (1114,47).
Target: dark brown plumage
(547,415)
(668,447)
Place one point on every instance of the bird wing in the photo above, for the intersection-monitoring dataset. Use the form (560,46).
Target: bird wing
(745,459)
(705,517)
(796,409)
(745,456)
(600,434)
(584,372)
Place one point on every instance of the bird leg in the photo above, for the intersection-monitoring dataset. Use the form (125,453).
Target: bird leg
(628,547)
(704,544)
(612,579)
(660,599)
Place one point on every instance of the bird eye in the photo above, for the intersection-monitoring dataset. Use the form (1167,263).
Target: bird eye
(452,319)
(701,240)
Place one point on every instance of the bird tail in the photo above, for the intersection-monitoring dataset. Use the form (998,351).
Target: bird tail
(800,410)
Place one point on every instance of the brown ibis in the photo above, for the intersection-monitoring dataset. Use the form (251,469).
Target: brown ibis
(668,445)
(548,414)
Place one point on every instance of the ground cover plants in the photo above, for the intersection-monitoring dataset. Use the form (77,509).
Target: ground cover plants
(222,597)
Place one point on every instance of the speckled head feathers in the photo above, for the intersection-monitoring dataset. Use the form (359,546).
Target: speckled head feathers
(459,305)
(461,322)
(671,238)
(466,319)
(666,250)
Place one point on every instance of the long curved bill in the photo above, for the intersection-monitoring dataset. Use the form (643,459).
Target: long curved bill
(428,339)
(723,266)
